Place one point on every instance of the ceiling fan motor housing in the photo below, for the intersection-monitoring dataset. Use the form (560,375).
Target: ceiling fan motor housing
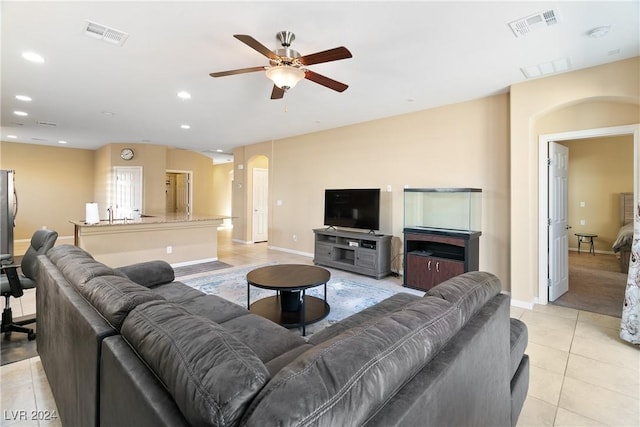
(287,56)
(286,38)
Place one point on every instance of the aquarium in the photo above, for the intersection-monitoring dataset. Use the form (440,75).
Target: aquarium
(443,208)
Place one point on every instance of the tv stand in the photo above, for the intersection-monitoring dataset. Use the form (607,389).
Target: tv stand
(359,252)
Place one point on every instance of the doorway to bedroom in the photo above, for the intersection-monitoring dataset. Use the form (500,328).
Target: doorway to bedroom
(602,168)
(600,181)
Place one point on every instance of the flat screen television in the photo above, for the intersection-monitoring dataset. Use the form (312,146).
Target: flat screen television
(352,208)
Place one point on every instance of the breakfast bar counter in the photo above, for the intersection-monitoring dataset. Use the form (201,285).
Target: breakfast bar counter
(175,238)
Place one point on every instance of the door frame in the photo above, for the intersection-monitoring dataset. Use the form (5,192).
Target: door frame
(543,188)
(189,184)
(113,197)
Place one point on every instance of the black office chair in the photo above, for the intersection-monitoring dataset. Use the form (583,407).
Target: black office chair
(12,282)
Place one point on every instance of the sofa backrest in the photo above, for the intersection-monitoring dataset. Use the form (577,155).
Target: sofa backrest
(114,297)
(345,379)
(209,373)
(108,290)
(77,265)
(469,292)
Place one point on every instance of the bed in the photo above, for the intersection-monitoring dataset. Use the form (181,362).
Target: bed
(622,244)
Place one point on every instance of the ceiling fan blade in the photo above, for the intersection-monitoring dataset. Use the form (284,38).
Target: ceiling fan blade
(256,45)
(325,81)
(277,93)
(325,56)
(238,71)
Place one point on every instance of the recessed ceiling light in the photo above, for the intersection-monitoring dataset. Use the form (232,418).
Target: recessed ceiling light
(185,126)
(598,32)
(33,57)
(20,113)
(108,113)
(184,95)
(62,142)
(23,98)
(218,151)
(11,136)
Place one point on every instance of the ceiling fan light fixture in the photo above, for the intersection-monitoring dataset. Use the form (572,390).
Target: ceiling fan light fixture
(284,76)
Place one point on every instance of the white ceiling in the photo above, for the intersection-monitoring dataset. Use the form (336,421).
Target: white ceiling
(407,56)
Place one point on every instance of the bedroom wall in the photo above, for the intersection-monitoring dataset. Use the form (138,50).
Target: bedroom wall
(599,170)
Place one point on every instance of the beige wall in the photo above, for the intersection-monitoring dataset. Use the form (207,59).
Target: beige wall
(203,183)
(461,145)
(55,183)
(599,170)
(530,102)
(222,187)
(243,158)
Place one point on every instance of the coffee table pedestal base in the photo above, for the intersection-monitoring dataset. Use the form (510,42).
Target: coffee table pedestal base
(316,309)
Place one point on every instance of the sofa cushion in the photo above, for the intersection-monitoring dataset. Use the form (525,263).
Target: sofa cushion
(348,378)
(214,308)
(267,339)
(149,273)
(177,292)
(211,375)
(468,291)
(114,297)
(77,266)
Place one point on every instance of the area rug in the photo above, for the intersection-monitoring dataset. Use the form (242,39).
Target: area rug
(345,296)
(188,270)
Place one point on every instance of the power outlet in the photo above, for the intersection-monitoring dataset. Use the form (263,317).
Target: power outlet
(583,222)
(169,249)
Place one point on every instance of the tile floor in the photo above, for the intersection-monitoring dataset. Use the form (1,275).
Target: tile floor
(582,374)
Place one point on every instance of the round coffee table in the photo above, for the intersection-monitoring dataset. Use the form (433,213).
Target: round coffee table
(290,307)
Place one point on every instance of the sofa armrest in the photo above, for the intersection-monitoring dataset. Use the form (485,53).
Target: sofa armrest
(149,274)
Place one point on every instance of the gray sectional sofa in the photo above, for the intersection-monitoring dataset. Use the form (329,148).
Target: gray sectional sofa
(131,346)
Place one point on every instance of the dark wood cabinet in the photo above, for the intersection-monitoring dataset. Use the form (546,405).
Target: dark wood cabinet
(435,255)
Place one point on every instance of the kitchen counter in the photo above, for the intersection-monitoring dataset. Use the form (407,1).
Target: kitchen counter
(152,219)
(176,238)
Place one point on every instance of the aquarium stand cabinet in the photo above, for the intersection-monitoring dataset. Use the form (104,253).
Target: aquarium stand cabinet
(434,255)
(363,253)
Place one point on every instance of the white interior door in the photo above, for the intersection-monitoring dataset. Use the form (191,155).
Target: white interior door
(182,193)
(260,204)
(128,191)
(558,217)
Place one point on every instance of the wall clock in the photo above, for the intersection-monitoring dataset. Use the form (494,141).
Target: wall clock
(126,154)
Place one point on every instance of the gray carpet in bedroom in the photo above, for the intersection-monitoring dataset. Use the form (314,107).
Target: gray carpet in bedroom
(595,284)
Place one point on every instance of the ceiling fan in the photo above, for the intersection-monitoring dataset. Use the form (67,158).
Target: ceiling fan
(286,66)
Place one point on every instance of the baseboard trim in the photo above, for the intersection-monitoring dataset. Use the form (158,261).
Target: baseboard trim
(522,304)
(198,261)
(291,251)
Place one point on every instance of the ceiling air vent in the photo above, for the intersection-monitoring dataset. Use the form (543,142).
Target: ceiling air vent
(51,124)
(543,19)
(104,33)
